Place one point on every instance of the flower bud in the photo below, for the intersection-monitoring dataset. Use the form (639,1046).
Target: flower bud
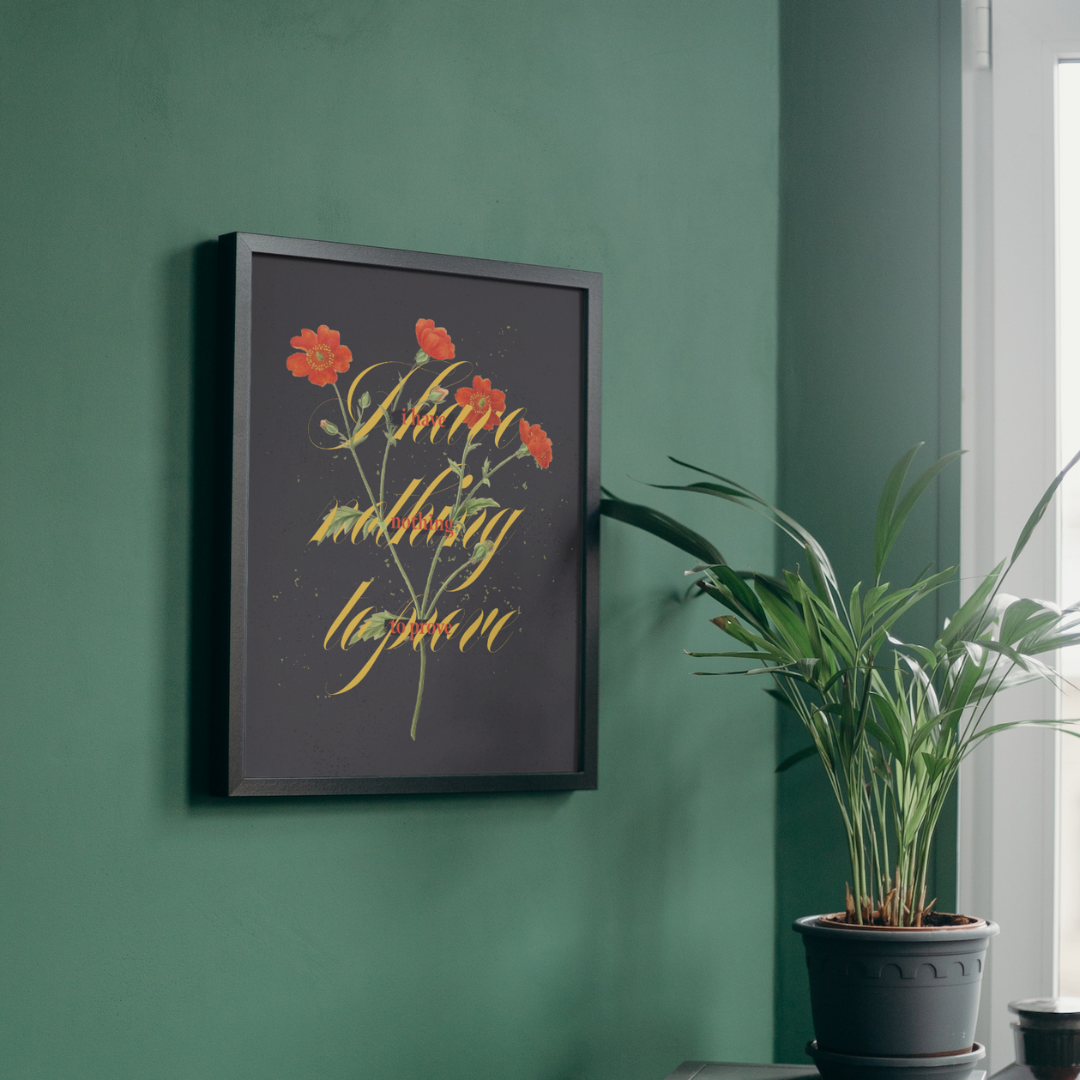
(329,428)
(438,394)
(421,357)
(482,550)
(365,400)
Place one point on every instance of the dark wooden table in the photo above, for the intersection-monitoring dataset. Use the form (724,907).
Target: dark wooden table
(727,1070)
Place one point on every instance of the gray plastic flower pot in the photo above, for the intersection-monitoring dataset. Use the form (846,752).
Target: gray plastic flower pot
(894,992)
(853,1067)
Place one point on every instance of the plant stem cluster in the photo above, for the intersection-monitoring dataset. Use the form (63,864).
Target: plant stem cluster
(424,604)
(890,721)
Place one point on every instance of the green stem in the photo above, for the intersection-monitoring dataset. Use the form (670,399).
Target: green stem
(419,690)
(431,573)
(505,461)
(393,550)
(442,539)
(442,588)
(461,473)
(380,520)
(382,474)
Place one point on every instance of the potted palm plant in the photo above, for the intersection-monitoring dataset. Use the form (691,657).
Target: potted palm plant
(894,983)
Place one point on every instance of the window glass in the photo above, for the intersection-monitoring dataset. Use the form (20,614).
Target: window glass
(1068,230)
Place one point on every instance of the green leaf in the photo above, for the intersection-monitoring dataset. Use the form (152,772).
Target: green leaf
(776,586)
(728,579)
(889,612)
(1050,644)
(375,628)
(794,759)
(473,506)
(959,624)
(344,517)
(789,623)
(815,552)
(875,596)
(1040,509)
(667,528)
(732,655)
(746,671)
(887,507)
(855,610)
(907,503)
(1018,615)
(1065,726)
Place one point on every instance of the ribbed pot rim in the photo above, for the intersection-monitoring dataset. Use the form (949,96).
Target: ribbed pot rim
(813,926)
(969,1057)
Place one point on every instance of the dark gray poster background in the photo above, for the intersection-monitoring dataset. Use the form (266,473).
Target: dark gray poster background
(512,711)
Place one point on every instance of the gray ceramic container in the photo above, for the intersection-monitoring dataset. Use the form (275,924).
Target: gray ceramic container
(894,993)
(1048,1036)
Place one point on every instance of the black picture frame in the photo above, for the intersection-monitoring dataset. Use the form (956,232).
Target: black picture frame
(251,267)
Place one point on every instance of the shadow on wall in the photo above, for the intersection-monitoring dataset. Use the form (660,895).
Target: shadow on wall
(209,495)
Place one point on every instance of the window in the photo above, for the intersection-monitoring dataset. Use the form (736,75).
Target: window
(1068,327)
(1009,867)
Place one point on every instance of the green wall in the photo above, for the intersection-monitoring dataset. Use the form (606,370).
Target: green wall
(150,931)
(869,357)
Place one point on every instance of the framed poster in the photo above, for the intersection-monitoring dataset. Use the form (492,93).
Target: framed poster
(415,521)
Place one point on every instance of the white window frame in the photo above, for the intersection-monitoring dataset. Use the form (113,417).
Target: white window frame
(1009,789)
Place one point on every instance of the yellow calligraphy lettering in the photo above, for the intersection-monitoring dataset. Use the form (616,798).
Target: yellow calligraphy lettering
(467,536)
(345,611)
(483,536)
(363,672)
(403,632)
(348,632)
(376,416)
(440,427)
(447,626)
(320,532)
(360,676)
(479,424)
(417,510)
(507,421)
(363,519)
(435,526)
(499,626)
(409,422)
(473,627)
(339,531)
(396,508)
(458,420)
(356,382)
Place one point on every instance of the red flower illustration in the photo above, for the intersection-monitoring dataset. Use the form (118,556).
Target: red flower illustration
(323,356)
(539,445)
(434,340)
(478,400)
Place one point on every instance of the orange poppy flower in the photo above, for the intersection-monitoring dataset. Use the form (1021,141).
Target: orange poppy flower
(322,356)
(479,400)
(434,340)
(539,445)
